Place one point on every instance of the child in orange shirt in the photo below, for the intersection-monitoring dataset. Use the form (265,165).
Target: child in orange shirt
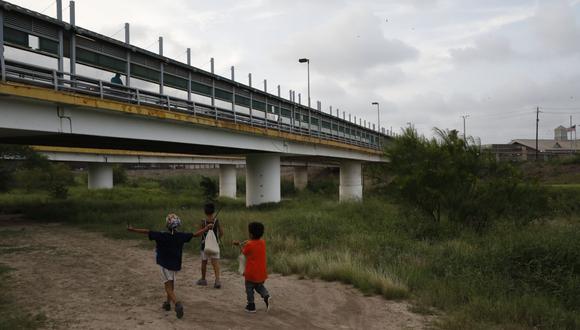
(255,272)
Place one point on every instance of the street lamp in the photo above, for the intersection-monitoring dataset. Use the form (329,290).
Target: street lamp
(378,115)
(307,61)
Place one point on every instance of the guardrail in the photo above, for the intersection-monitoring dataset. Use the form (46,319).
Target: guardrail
(63,81)
(227,99)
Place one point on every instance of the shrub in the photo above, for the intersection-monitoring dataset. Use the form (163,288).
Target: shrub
(447,176)
(324,183)
(119,175)
(241,184)
(44,178)
(209,187)
(178,183)
(15,157)
(287,187)
(58,190)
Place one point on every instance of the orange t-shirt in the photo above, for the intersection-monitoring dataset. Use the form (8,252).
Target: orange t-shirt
(255,252)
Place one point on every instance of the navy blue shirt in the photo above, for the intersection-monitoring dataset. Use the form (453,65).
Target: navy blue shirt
(169,248)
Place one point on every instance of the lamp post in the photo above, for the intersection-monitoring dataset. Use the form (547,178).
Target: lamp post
(378,116)
(307,61)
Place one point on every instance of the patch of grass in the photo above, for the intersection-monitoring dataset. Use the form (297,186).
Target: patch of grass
(507,276)
(11,315)
(343,267)
(7,233)
(6,249)
(19,201)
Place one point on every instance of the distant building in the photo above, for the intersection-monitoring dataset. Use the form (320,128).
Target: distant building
(524,149)
(561,133)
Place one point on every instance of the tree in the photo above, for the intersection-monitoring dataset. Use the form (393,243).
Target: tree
(14,157)
(446,175)
(209,188)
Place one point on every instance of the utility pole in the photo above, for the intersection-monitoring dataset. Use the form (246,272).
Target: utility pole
(571,136)
(537,124)
(464,134)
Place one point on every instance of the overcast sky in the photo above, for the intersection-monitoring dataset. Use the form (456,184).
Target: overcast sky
(427,62)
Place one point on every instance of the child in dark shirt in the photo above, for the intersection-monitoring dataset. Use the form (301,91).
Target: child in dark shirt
(169,248)
(210,218)
(255,272)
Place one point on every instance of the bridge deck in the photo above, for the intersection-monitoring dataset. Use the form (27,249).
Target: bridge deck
(75,99)
(226,103)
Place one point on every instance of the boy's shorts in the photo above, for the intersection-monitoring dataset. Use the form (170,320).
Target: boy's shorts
(214,256)
(167,275)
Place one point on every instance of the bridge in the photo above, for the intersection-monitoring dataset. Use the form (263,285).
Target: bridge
(190,111)
(99,164)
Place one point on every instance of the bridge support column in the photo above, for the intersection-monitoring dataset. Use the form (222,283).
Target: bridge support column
(351,188)
(262,179)
(100,176)
(300,177)
(228,180)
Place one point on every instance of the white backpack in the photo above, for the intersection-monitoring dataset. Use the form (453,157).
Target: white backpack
(212,247)
(241,264)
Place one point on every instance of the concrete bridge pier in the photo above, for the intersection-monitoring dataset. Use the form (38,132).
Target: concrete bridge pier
(300,177)
(228,180)
(100,176)
(262,179)
(351,188)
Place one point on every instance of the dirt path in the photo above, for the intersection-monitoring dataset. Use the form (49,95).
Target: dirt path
(82,280)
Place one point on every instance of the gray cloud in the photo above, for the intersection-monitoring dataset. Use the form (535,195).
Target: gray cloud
(490,48)
(348,44)
(425,61)
(556,27)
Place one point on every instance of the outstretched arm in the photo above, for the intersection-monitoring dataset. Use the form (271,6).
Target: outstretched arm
(137,230)
(239,244)
(203,230)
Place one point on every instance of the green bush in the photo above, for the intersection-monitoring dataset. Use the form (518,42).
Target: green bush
(176,183)
(44,178)
(241,184)
(324,183)
(14,158)
(445,176)
(58,190)
(119,175)
(209,188)
(287,188)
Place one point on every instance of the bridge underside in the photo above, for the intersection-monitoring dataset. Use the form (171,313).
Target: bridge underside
(52,123)
(12,136)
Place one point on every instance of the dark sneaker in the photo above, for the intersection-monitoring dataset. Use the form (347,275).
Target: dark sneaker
(251,308)
(217,285)
(178,310)
(166,306)
(202,282)
(268,302)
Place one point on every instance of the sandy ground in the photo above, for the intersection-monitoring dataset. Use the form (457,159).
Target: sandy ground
(82,280)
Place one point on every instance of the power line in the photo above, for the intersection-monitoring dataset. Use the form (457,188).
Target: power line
(48,7)
(151,44)
(560,108)
(503,114)
(560,113)
(114,34)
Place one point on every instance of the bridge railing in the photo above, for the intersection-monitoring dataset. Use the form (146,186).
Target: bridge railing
(66,82)
(223,98)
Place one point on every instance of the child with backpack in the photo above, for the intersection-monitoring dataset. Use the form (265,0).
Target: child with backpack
(210,218)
